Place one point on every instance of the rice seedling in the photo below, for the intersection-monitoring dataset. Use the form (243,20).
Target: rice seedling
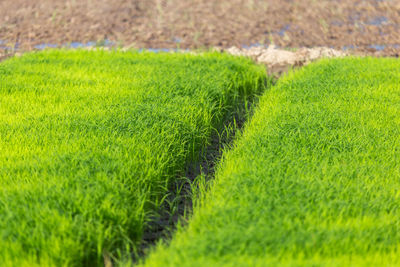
(313,180)
(91,140)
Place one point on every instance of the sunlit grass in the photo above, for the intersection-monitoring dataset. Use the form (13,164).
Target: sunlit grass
(90,141)
(312,181)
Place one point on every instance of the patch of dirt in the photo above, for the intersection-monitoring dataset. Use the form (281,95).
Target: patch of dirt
(368,26)
(279,61)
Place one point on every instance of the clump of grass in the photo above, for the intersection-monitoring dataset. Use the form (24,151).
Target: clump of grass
(312,181)
(91,140)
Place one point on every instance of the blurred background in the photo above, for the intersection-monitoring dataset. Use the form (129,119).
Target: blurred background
(367,26)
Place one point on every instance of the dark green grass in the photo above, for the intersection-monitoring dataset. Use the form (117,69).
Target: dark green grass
(91,140)
(314,179)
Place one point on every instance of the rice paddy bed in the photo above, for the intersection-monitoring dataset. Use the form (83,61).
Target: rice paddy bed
(313,180)
(91,140)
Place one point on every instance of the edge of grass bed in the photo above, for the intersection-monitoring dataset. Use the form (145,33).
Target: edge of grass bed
(239,89)
(353,89)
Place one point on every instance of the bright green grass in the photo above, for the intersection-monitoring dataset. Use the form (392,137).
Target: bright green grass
(89,142)
(314,180)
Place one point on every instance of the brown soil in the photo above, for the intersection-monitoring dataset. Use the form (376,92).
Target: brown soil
(370,26)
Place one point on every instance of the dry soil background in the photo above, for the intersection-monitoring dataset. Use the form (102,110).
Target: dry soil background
(369,26)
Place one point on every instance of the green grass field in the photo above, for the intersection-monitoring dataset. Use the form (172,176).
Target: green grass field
(91,140)
(313,180)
